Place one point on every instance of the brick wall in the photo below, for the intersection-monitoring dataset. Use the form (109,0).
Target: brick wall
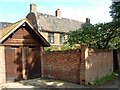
(78,67)
(2,65)
(98,64)
(63,65)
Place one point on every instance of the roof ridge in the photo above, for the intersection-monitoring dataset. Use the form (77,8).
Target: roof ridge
(8,28)
(57,17)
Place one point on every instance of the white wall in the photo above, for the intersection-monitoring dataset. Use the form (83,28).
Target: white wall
(2,65)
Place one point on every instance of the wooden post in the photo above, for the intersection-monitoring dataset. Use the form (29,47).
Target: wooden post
(24,63)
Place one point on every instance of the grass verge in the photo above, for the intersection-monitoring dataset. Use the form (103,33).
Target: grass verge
(103,80)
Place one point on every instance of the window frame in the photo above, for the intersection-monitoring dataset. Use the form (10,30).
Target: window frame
(62,38)
(51,38)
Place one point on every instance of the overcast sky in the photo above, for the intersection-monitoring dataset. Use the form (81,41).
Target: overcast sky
(96,10)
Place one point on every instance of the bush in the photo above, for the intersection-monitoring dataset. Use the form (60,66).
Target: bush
(60,48)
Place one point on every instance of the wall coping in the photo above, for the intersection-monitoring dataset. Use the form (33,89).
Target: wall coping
(64,51)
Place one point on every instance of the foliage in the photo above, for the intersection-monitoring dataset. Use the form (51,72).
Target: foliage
(101,36)
(67,47)
(115,11)
(82,36)
(51,48)
(60,48)
(103,80)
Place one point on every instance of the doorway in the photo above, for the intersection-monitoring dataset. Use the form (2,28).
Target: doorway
(33,62)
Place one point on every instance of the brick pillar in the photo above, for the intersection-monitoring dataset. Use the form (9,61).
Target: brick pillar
(84,55)
(2,65)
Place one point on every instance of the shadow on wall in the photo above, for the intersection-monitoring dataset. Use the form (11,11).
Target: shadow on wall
(18,63)
(33,64)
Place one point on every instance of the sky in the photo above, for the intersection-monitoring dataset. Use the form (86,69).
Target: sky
(96,10)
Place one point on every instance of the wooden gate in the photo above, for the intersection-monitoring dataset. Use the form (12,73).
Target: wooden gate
(22,58)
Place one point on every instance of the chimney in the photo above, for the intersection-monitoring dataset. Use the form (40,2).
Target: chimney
(88,20)
(58,13)
(33,7)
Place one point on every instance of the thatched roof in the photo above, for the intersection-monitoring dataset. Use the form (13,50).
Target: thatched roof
(46,22)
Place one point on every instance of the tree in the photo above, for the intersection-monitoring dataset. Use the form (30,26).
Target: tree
(84,35)
(115,11)
(101,36)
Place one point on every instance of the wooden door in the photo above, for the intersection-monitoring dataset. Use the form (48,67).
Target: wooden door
(22,62)
(10,68)
(13,63)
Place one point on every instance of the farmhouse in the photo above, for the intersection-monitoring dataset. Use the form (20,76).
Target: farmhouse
(53,27)
(20,51)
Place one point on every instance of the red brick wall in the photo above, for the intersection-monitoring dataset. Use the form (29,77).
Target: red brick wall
(63,65)
(78,66)
(98,64)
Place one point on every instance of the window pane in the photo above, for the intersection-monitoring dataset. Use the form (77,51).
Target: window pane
(51,38)
(62,38)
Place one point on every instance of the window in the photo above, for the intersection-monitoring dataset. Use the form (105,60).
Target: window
(51,38)
(62,38)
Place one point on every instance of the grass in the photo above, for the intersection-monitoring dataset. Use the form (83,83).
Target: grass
(103,80)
